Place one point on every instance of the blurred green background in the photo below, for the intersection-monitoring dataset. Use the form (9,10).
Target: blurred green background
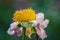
(51,9)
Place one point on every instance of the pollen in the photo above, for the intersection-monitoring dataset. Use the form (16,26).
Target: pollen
(24,15)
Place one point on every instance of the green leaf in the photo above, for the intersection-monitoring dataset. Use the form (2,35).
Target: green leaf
(26,24)
(30,24)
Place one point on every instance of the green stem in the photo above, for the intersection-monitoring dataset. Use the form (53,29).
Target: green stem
(23,33)
(36,36)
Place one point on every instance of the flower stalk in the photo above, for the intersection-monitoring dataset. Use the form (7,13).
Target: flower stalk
(36,38)
(23,33)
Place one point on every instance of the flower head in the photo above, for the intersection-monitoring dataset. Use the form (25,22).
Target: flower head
(14,29)
(24,15)
(40,24)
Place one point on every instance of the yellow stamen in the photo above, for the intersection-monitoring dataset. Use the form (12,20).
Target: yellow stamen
(24,15)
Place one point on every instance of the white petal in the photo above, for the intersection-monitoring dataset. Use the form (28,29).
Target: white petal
(38,32)
(43,34)
(35,22)
(44,23)
(14,25)
(20,29)
(40,16)
(11,32)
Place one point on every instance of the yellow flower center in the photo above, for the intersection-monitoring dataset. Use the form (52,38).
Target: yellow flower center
(30,31)
(24,15)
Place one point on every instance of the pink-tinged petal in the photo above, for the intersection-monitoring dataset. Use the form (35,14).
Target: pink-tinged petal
(13,25)
(42,34)
(44,23)
(18,31)
(40,17)
(35,22)
(13,28)
(11,31)
(15,31)
(38,30)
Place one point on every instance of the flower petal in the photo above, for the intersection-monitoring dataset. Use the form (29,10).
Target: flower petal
(14,29)
(13,25)
(19,32)
(38,31)
(10,32)
(35,22)
(43,34)
(44,23)
(40,17)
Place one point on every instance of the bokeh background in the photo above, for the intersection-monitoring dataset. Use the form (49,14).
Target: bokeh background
(51,9)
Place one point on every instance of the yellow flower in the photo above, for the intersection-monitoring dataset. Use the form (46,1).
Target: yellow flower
(24,15)
(29,32)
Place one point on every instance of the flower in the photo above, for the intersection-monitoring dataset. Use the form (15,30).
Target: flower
(40,24)
(24,15)
(14,29)
(34,22)
(12,26)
